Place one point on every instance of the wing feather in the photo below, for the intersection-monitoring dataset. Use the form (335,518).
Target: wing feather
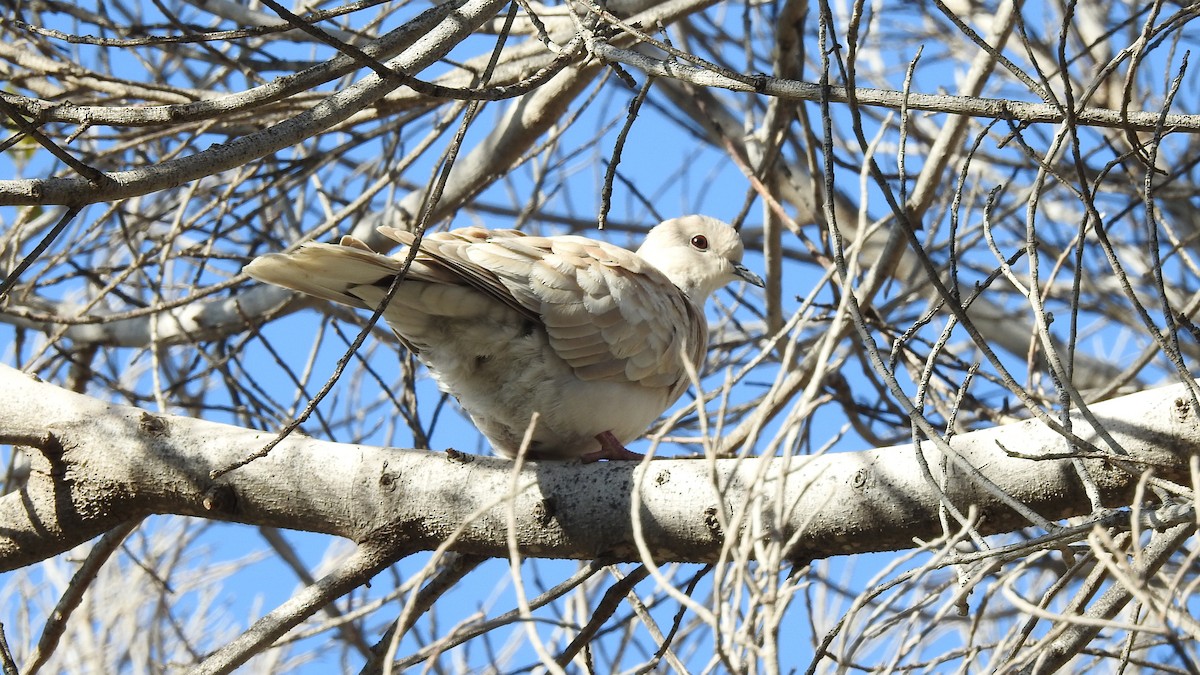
(607,312)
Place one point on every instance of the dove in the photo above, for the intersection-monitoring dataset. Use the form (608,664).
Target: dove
(590,336)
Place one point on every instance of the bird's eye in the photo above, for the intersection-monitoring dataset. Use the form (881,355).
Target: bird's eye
(700,242)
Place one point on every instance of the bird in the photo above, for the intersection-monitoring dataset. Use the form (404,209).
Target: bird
(589,336)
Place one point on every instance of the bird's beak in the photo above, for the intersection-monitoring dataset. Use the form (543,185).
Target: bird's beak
(742,272)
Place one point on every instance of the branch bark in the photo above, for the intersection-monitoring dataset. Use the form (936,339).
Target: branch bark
(98,465)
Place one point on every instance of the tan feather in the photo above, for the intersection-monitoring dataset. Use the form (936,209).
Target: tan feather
(589,335)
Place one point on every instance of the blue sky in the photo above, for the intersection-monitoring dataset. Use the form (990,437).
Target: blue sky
(654,160)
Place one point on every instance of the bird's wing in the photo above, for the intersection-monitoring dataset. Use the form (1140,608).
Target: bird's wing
(609,314)
(441,258)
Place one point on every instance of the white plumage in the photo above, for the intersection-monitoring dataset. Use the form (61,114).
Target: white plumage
(589,335)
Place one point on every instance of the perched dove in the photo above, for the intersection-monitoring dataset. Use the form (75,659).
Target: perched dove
(589,335)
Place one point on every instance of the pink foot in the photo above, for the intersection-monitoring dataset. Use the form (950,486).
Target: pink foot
(610,449)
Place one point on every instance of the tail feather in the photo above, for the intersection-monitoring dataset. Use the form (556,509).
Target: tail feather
(327,271)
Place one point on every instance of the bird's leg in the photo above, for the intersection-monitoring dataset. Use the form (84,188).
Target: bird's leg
(610,449)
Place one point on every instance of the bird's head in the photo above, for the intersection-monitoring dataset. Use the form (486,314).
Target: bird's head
(699,254)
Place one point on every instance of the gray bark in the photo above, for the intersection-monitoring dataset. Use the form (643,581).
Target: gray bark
(95,465)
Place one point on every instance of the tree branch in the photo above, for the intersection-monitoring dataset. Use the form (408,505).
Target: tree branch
(120,462)
(973,106)
(331,110)
(357,570)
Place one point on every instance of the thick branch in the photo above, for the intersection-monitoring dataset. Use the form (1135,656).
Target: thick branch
(109,463)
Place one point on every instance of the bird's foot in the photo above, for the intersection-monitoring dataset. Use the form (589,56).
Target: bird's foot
(610,449)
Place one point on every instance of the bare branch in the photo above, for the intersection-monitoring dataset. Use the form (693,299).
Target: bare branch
(990,108)
(160,464)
